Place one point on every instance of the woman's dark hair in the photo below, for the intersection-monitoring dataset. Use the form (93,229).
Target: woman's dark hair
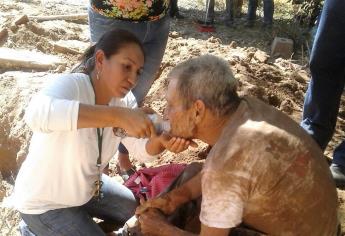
(110,43)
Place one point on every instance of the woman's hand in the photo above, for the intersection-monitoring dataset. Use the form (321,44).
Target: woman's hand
(136,122)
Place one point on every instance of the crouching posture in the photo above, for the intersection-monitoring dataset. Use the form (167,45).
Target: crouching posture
(60,186)
(264,174)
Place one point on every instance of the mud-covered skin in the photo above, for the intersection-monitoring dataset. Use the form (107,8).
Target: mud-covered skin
(267,172)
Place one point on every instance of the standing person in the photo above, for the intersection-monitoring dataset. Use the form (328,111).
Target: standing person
(232,9)
(174,11)
(322,100)
(210,15)
(268,13)
(149,22)
(262,174)
(59,187)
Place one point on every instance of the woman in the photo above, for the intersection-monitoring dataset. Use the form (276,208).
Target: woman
(60,188)
(150,23)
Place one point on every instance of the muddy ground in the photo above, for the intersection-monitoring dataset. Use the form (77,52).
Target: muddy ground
(279,82)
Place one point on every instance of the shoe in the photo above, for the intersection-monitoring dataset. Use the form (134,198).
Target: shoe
(338,174)
(205,21)
(177,15)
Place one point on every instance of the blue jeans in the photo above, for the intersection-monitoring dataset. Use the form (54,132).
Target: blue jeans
(153,35)
(327,66)
(228,10)
(117,206)
(268,10)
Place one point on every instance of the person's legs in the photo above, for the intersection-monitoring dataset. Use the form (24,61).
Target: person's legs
(154,42)
(72,221)
(209,14)
(24,229)
(268,12)
(117,205)
(229,14)
(251,15)
(327,64)
(174,11)
(115,208)
(322,100)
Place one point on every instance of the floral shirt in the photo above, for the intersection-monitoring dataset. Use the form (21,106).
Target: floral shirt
(132,10)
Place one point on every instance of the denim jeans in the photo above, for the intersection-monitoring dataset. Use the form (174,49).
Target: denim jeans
(228,10)
(327,66)
(268,10)
(117,206)
(153,35)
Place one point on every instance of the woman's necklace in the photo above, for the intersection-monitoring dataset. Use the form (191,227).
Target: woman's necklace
(97,193)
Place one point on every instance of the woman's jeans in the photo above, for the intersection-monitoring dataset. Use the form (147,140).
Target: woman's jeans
(116,207)
(327,66)
(268,10)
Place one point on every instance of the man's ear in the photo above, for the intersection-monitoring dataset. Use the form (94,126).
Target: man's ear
(200,110)
(99,59)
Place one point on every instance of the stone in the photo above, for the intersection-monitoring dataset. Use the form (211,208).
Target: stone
(261,56)
(233,44)
(21,20)
(282,47)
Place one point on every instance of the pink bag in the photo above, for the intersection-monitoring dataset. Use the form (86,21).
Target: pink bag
(149,182)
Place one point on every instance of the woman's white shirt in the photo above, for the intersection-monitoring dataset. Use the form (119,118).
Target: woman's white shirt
(60,169)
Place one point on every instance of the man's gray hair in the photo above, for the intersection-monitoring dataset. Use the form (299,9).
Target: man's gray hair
(210,79)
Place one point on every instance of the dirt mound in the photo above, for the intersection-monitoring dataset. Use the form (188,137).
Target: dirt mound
(16,91)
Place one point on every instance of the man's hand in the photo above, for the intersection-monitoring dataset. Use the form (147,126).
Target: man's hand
(153,223)
(158,144)
(175,144)
(164,203)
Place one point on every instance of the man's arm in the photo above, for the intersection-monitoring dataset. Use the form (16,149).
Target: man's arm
(169,230)
(172,200)
(152,222)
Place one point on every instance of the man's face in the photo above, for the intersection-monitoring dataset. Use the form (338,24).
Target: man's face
(182,120)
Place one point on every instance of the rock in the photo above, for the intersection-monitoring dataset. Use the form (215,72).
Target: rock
(59,48)
(174,34)
(12,59)
(282,47)
(14,28)
(233,44)
(17,89)
(299,77)
(3,34)
(286,106)
(212,39)
(261,56)
(250,56)
(60,68)
(21,20)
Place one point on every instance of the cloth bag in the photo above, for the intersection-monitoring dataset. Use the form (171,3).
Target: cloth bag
(147,183)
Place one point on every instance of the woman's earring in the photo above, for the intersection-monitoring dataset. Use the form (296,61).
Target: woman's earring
(97,76)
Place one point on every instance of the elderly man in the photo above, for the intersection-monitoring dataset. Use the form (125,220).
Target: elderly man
(263,171)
